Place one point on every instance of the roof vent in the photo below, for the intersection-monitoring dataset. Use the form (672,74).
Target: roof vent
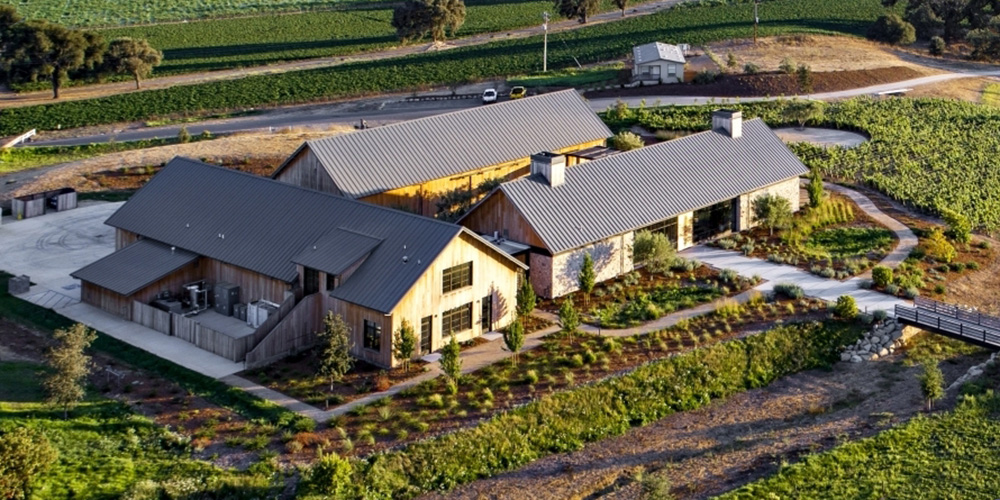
(728,122)
(405,259)
(551,166)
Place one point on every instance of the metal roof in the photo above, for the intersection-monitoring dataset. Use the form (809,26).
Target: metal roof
(375,160)
(263,225)
(337,250)
(631,190)
(657,51)
(135,267)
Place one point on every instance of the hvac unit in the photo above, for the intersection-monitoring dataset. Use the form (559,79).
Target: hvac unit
(240,312)
(259,311)
(226,296)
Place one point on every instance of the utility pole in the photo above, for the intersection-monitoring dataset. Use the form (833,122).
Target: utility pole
(545,42)
(756,20)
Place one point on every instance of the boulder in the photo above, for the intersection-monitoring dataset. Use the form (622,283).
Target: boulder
(883,352)
(855,359)
(846,356)
(871,356)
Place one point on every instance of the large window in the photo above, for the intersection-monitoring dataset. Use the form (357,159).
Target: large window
(667,228)
(456,277)
(456,320)
(373,336)
(715,220)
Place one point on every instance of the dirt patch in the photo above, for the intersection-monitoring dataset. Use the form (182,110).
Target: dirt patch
(770,84)
(728,444)
(962,89)
(821,53)
(263,149)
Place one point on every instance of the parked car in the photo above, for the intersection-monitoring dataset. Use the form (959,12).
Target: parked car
(489,95)
(518,92)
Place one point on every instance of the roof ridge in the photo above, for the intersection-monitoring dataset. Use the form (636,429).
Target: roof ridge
(439,115)
(313,191)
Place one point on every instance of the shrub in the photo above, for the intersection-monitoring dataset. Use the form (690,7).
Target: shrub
(828,272)
(531,377)
(911,292)
(304,425)
(892,289)
(881,275)
(846,307)
(937,46)
(984,244)
(787,66)
(331,475)
(957,266)
(880,315)
(789,290)
(939,248)
(940,289)
(626,141)
(183,136)
(729,308)
(973,265)
(751,68)
(705,77)
(892,29)
(959,226)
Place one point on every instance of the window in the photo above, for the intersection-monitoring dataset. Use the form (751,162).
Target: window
(456,277)
(456,320)
(373,336)
(310,281)
(666,227)
(331,282)
(672,70)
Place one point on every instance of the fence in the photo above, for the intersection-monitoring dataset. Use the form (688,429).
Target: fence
(33,205)
(208,339)
(292,333)
(151,317)
(272,321)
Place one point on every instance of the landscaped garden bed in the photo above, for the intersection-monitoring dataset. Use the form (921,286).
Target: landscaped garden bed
(835,240)
(931,266)
(642,295)
(561,362)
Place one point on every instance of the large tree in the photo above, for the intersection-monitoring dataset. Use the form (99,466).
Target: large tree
(415,19)
(621,4)
(52,51)
(133,57)
(10,35)
(66,386)
(335,358)
(580,9)
(24,455)
(803,111)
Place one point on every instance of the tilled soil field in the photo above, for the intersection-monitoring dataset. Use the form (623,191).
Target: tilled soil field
(770,84)
(728,444)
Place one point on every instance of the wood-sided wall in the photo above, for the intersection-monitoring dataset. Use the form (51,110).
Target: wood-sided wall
(305,170)
(497,214)
(124,238)
(253,286)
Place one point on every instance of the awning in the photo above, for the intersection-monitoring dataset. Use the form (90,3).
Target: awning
(135,267)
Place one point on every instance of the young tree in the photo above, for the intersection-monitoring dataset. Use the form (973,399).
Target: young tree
(653,250)
(931,383)
(404,344)
(621,4)
(71,365)
(773,211)
(803,111)
(731,61)
(586,279)
(805,78)
(335,358)
(581,9)
(53,51)
(568,318)
(451,361)
(815,188)
(24,455)
(132,56)
(514,339)
(526,298)
(415,19)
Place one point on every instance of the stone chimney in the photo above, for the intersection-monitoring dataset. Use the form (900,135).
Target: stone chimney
(728,122)
(551,166)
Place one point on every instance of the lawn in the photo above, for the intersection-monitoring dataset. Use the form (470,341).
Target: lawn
(587,45)
(105,450)
(953,455)
(28,157)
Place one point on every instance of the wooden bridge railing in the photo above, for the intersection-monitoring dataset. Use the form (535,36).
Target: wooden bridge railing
(960,313)
(949,325)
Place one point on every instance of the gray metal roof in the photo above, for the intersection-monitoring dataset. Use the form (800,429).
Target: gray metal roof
(657,51)
(402,154)
(631,190)
(135,267)
(337,250)
(263,225)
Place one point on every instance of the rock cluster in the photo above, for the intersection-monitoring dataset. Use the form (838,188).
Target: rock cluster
(973,372)
(881,341)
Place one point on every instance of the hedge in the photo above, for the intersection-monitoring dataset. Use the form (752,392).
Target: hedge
(566,421)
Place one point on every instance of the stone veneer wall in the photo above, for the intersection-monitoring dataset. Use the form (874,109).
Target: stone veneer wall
(788,188)
(612,257)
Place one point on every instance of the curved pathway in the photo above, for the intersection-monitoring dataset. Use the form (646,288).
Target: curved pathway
(907,240)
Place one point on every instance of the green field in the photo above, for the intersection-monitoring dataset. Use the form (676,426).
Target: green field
(927,153)
(947,456)
(111,12)
(511,57)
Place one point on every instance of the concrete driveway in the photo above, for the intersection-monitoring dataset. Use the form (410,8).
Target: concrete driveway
(49,247)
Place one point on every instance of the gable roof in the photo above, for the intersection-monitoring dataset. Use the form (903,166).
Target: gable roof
(337,250)
(135,267)
(631,190)
(402,154)
(263,225)
(657,51)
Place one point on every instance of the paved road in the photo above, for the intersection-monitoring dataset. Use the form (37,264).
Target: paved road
(388,109)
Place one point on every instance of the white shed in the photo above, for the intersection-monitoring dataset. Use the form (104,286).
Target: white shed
(658,62)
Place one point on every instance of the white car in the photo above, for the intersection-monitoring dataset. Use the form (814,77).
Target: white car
(489,95)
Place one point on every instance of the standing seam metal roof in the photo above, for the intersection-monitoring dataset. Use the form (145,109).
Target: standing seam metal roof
(263,225)
(657,51)
(135,267)
(631,190)
(402,154)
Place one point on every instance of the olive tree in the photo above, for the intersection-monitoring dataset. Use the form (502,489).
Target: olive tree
(131,56)
(773,211)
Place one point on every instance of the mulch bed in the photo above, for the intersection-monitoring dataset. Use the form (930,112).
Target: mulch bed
(769,84)
(647,282)
(132,178)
